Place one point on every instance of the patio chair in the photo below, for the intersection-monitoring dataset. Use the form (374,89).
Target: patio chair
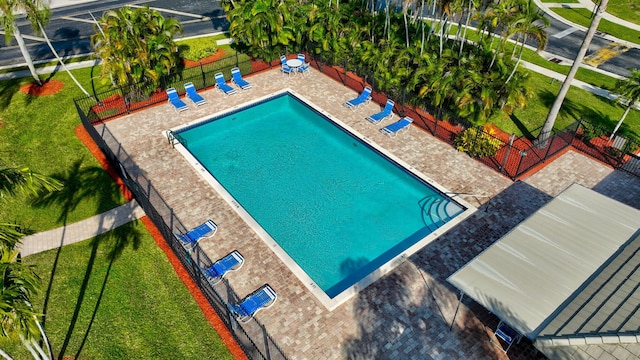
(304,69)
(190,239)
(386,113)
(236,77)
(286,70)
(230,262)
(301,57)
(283,59)
(397,127)
(262,298)
(193,95)
(507,335)
(363,98)
(222,84)
(178,105)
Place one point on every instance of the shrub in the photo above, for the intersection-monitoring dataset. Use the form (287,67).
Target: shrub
(477,144)
(198,49)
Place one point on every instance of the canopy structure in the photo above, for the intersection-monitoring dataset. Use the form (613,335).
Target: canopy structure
(574,261)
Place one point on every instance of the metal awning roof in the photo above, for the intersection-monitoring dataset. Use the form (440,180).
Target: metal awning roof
(531,273)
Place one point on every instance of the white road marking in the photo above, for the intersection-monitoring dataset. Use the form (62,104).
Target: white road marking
(77,19)
(30,37)
(564,33)
(171,11)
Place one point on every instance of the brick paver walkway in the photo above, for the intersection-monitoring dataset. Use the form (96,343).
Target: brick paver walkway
(407,313)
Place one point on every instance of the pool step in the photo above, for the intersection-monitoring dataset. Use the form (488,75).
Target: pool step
(438,211)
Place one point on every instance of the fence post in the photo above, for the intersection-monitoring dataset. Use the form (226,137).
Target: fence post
(204,78)
(124,99)
(506,155)
(523,153)
(575,133)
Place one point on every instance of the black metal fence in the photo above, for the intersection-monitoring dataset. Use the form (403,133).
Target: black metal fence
(252,337)
(120,101)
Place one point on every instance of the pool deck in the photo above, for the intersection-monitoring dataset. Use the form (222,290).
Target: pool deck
(407,313)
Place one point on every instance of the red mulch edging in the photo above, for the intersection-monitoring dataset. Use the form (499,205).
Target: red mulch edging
(47,88)
(86,139)
(209,313)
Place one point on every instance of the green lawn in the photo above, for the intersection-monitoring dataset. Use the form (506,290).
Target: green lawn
(579,104)
(625,9)
(117,297)
(38,132)
(582,16)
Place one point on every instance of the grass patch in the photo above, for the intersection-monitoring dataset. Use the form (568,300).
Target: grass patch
(38,132)
(117,297)
(579,104)
(582,16)
(625,9)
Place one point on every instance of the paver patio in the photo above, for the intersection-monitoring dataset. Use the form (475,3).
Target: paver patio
(407,313)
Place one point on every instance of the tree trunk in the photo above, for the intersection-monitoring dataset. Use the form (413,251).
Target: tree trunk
(543,137)
(5,355)
(626,112)
(25,53)
(519,59)
(55,53)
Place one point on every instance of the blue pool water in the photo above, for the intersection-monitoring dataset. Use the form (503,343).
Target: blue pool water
(339,208)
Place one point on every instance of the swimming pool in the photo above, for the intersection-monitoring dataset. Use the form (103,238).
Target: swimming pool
(337,209)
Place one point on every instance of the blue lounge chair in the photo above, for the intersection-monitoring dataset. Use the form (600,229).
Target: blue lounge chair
(222,84)
(231,262)
(304,69)
(178,105)
(260,299)
(363,98)
(386,113)
(193,95)
(301,57)
(283,59)
(286,70)
(236,77)
(190,239)
(395,128)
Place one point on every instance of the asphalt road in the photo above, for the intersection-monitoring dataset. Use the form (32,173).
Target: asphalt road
(71,27)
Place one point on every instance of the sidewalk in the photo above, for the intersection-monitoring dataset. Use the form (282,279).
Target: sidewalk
(81,230)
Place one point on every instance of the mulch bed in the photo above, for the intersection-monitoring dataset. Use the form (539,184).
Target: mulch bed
(49,87)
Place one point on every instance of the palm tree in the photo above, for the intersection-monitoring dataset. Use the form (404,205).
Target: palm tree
(629,90)
(36,11)
(543,137)
(18,282)
(264,26)
(136,46)
(530,21)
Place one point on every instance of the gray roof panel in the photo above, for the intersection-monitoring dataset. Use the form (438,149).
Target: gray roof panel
(529,275)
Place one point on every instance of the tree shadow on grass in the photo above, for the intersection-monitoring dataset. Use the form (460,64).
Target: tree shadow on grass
(82,183)
(523,129)
(118,240)
(569,109)
(8,88)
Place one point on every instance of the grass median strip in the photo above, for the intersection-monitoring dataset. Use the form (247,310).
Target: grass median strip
(582,16)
